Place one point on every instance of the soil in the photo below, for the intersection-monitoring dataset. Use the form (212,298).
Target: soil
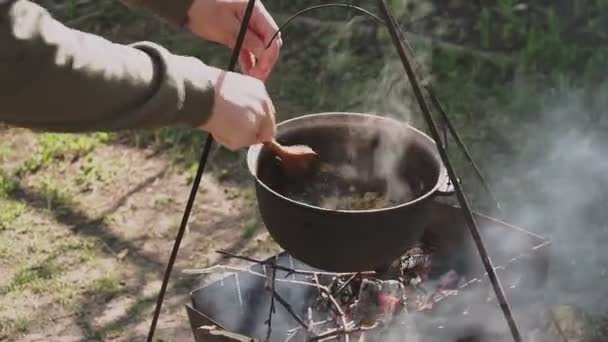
(130,220)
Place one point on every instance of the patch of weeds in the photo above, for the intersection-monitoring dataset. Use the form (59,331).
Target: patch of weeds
(183,144)
(191,173)
(545,49)
(64,292)
(140,306)
(111,332)
(8,184)
(105,287)
(62,146)
(513,24)
(90,173)
(163,201)
(55,197)
(11,326)
(5,152)
(10,212)
(87,250)
(133,313)
(248,194)
(5,248)
(251,227)
(33,278)
(171,232)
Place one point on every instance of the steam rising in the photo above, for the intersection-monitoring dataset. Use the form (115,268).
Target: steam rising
(562,194)
(554,183)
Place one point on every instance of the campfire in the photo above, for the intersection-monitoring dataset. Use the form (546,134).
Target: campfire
(436,291)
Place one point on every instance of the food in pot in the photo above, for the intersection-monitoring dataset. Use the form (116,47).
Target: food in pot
(334,188)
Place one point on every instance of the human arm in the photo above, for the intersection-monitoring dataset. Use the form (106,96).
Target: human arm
(55,78)
(219,21)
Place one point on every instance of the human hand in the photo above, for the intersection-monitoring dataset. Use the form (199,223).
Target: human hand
(219,21)
(242,114)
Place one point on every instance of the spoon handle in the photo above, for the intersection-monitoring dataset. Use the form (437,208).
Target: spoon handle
(275,147)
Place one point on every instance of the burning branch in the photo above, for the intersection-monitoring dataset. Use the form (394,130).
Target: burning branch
(350,302)
(353,306)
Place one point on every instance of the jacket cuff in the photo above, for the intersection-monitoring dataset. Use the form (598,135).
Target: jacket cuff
(186,86)
(199,91)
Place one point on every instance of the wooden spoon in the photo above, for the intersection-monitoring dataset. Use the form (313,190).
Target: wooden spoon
(296,160)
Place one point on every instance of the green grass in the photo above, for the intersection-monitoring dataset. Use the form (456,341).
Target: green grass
(8,184)
(10,212)
(49,277)
(91,173)
(105,287)
(134,312)
(85,249)
(5,152)
(55,196)
(53,147)
(35,278)
(252,226)
(163,201)
(11,326)
(5,248)
(137,308)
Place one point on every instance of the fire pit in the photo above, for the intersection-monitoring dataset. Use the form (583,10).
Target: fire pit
(437,290)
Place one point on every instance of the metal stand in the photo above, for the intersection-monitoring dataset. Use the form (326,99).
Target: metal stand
(197,180)
(400,44)
(399,41)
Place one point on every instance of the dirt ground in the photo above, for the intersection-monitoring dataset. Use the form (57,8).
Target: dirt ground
(90,234)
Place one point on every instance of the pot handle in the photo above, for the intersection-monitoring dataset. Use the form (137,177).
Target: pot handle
(252,159)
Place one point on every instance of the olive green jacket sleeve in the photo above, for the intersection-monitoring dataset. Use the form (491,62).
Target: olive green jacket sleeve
(58,79)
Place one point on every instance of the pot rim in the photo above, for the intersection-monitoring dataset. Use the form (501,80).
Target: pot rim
(255,150)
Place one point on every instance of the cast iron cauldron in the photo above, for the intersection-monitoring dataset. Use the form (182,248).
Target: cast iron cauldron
(384,156)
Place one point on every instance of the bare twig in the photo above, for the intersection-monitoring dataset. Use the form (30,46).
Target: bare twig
(510,262)
(320,287)
(340,313)
(345,284)
(271,311)
(345,332)
(238,289)
(558,327)
(290,335)
(311,324)
(334,302)
(291,311)
(316,279)
(285,269)
(246,270)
